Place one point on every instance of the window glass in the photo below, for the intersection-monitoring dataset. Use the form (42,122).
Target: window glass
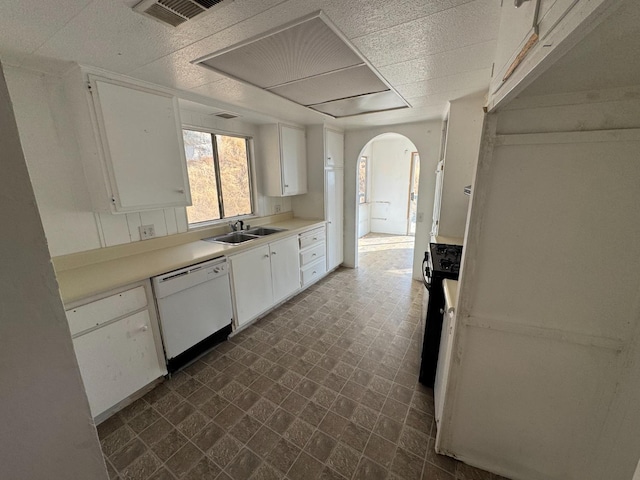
(362,180)
(219,178)
(234,175)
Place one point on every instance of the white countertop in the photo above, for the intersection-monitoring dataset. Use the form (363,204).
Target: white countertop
(447,240)
(450,293)
(93,278)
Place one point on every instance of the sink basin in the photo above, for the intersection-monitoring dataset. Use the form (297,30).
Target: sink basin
(232,238)
(262,231)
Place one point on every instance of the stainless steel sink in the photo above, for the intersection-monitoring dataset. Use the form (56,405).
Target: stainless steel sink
(232,238)
(262,231)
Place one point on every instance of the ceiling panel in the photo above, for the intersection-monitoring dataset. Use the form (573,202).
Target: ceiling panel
(298,52)
(27,24)
(458,27)
(473,80)
(323,88)
(357,18)
(362,104)
(466,59)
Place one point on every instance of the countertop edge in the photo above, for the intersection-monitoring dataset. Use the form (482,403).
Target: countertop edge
(87,281)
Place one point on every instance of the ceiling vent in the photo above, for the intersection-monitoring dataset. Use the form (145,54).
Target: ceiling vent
(225,115)
(176,12)
(311,63)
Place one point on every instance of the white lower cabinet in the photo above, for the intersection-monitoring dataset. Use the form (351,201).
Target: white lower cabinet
(252,292)
(264,276)
(117,344)
(285,267)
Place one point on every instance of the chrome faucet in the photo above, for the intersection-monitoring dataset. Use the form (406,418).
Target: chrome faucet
(237,226)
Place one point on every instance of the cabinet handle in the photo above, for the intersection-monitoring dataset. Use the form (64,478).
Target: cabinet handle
(315,238)
(266,255)
(313,255)
(273,253)
(314,272)
(329,223)
(286,186)
(180,190)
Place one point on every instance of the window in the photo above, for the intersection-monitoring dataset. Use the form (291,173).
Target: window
(219,176)
(363,179)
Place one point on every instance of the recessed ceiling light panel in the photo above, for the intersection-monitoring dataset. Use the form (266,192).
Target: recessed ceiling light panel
(307,61)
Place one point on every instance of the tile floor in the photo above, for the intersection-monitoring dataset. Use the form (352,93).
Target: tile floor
(323,387)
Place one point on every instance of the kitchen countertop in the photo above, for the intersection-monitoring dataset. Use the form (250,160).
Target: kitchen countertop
(450,293)
(91,279)
(447,240)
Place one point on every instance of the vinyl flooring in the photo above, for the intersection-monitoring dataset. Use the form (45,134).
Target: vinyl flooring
(326,386)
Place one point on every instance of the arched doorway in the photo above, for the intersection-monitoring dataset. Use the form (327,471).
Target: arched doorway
(425,138)
(388,172)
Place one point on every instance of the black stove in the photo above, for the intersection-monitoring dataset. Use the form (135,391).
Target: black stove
(440,261)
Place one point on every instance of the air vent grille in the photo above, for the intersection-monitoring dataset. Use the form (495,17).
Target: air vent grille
(176,12)
(226,116)
(186,8)
(164,15)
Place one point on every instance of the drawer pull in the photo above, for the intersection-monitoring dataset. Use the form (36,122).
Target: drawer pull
(313,255)
(314,272)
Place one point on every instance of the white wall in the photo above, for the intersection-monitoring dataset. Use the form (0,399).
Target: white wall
(390,184)
(463,145)
(47,430)
(426,137)
(547,373)
(51,149)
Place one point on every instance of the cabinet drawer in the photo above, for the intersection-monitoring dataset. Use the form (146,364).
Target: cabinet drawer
(312,254)
(312,237)
(109,308)
(313,272)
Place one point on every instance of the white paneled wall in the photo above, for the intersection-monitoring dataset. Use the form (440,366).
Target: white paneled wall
(364,222)
(55,166)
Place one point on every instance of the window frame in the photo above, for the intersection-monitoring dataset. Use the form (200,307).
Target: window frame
(216,162)
(366,195)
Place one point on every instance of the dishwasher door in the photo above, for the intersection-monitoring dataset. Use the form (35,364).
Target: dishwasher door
(193,303)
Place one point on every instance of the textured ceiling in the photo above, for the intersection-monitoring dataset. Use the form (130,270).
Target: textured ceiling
(431,51)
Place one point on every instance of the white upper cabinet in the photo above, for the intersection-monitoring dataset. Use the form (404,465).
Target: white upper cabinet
(130,140)
(283,157)
(334,149)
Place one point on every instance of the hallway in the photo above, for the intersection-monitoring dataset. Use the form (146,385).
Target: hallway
(323,387)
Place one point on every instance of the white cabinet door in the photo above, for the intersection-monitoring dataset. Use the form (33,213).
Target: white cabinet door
(117,360)
(334,149)
(294,160)
(142,147)
(334,194)
(251,273)
(285,268)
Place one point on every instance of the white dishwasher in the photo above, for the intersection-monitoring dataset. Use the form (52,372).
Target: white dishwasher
(194,304)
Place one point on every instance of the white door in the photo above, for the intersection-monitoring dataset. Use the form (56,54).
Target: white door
(413,193)
(294,160)
(334,204)
(117,360)
(251,273)
(285,268)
